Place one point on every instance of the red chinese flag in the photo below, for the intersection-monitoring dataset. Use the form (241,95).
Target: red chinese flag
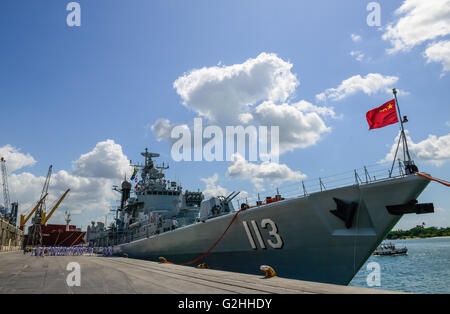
(382,116)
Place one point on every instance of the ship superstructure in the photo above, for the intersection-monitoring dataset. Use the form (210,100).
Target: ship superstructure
(157,205)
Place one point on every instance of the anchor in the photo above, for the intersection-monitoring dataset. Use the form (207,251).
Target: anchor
(345,211)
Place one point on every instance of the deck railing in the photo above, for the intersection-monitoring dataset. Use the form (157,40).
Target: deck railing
(360,176)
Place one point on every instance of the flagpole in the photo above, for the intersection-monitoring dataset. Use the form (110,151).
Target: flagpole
(405,143)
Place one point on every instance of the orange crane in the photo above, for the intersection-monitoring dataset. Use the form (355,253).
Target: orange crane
(46,217)
(24,220)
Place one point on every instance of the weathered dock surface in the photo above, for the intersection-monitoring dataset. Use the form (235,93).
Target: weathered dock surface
(32,274)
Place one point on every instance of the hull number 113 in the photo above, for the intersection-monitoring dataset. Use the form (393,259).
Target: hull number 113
(275,241)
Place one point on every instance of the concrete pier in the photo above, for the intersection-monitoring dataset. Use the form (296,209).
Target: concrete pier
(21,273)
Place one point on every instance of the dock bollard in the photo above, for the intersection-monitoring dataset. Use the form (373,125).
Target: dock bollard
(162,260)
(125,255)
(202,266)
(268,271)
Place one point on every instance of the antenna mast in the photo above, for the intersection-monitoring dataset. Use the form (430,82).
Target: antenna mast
(410,167)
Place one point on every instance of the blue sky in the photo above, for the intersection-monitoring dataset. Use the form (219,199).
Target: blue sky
(65,89)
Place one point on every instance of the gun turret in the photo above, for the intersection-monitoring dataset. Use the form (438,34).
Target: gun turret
(230,197)
(216,206)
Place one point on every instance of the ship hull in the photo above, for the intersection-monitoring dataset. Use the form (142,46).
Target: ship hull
(57,235)
(300,238)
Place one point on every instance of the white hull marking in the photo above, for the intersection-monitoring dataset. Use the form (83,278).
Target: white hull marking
(273,232)
(249,235)
(258,235)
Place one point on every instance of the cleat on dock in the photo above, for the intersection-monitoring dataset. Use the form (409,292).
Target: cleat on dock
(162,260)
(268,271)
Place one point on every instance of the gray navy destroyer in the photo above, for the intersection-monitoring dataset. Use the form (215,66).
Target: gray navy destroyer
(325,236)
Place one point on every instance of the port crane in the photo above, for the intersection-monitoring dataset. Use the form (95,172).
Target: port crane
(45,217)
(39,211)
(11,212)
(23,219)
(35,234)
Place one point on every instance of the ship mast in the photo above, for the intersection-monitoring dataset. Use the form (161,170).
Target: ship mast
(149,171)
(410,167)
(68,220)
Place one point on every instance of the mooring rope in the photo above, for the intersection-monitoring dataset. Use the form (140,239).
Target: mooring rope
(446,183)
(211,248)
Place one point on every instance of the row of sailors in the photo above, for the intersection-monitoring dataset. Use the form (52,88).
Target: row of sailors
(70,250)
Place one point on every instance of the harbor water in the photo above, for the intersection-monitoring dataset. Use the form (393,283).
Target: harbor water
(426,268)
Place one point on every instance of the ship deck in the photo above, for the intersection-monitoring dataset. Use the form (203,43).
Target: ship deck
(103,275)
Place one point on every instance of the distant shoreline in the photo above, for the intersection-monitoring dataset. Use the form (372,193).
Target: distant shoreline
(419,232)
(413,238)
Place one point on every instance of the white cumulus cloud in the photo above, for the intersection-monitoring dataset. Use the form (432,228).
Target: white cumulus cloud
(439,52)
(256,92)
(15,160)
(434,149)
(162,128)
(419,21)
(90,184)
(86,194)
(300,125)
(212,188)
(221,93)
(370,84)
(106,160)
(265,172)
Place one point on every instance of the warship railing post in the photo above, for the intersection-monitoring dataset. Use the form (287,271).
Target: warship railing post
(304,189)
(400,170)
(321,185)
(357,178)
